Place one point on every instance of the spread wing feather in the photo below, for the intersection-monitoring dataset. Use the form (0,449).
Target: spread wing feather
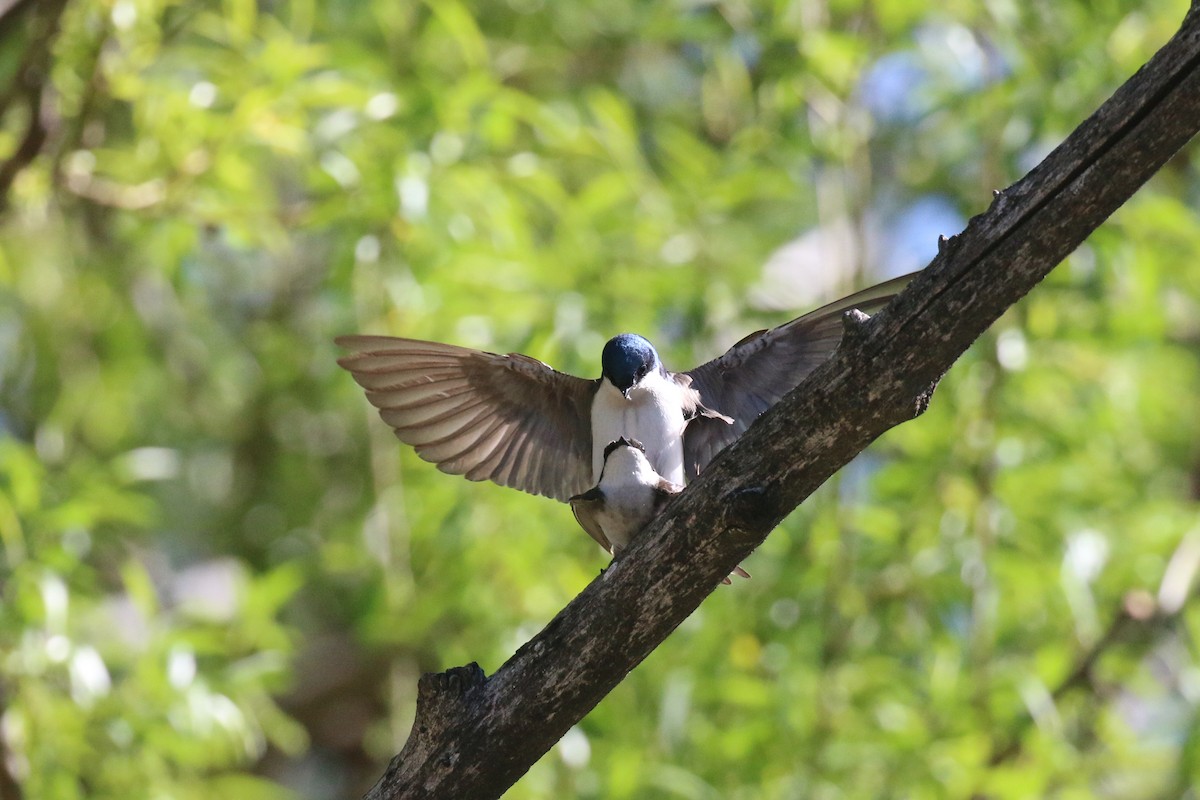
(759,370)
(505,418)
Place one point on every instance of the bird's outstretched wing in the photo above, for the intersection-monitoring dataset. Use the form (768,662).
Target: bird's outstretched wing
(759,370)
(504,418)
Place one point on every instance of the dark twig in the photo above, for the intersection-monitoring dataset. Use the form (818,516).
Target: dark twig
(1140,619)
(31,85)
(10,789)
(1082,676)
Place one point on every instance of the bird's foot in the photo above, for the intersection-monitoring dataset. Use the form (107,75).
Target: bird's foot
(741,573)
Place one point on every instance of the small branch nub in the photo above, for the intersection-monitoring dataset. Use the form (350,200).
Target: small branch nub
(854,326)
(437,691)
(921,402)
(999,200)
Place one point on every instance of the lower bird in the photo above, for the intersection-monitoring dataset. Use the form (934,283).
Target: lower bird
(628,495)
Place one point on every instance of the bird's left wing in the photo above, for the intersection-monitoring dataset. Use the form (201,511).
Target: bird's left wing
(759,370)
(504,418)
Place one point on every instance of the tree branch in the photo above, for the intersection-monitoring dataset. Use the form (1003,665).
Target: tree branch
(475,736)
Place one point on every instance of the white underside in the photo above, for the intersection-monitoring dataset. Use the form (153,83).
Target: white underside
(652,414)
(628,485)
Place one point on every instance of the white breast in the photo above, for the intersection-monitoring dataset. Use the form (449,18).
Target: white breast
(628,485)
(653,414)
(626,512)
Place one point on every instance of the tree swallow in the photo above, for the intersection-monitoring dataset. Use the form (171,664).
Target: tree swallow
(628,495)
(514,420)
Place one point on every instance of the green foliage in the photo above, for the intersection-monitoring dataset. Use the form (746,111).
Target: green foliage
(220,575)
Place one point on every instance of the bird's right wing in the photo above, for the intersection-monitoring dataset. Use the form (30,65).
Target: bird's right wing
(504,418)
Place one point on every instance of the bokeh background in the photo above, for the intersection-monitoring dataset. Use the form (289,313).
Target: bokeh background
(221,576)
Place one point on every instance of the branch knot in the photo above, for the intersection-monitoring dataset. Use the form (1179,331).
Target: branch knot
(751,508)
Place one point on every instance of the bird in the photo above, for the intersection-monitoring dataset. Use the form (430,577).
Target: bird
(516,421)
(627,496)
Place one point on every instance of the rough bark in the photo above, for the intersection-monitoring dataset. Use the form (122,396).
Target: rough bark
(474,736)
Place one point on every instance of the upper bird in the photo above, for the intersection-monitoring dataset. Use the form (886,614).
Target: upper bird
(514,420)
